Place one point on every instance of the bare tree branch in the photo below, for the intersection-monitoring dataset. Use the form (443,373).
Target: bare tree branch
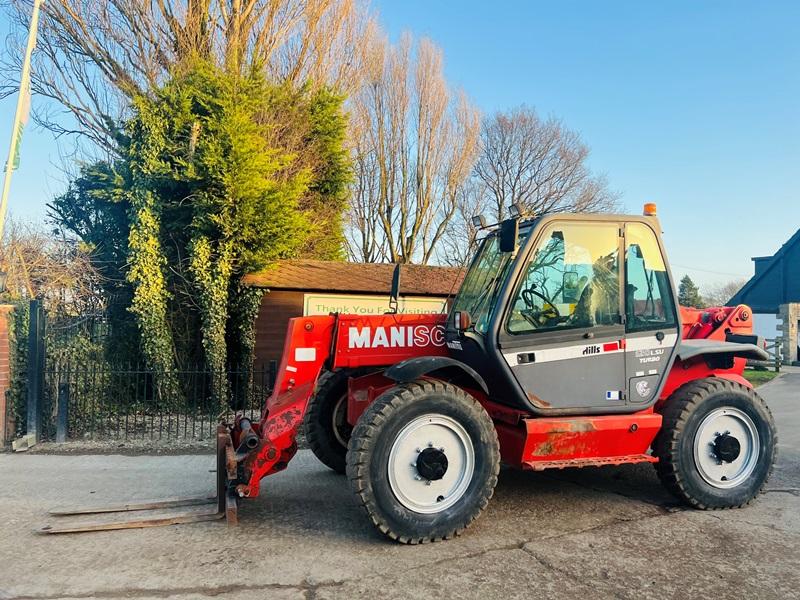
(94,56)
(538,163)
(414,142)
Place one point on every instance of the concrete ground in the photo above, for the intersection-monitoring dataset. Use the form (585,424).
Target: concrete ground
(610,532)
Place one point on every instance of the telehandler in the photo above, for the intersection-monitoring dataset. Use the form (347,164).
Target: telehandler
(564,347)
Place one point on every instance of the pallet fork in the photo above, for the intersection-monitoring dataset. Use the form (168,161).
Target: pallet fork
(225,502)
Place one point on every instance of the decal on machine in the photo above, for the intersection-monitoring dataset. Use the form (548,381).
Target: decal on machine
(396,336)
(647,350)
(643,388)
(568,352)
(650,355)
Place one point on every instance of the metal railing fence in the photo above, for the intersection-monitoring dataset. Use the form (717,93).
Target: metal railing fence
(99,401)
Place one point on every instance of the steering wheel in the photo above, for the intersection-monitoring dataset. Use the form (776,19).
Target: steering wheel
(527,297)
(538,317)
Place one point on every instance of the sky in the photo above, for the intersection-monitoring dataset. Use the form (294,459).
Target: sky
(692,105)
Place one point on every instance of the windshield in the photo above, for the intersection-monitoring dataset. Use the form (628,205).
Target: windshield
(482,283)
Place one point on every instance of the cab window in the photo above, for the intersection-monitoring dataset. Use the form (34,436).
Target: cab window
(571,281)
(648,296)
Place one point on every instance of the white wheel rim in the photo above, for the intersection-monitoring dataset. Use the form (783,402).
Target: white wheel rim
(339,417)
(409,487)
(733,422)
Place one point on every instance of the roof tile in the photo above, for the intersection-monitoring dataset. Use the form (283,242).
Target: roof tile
(318,275)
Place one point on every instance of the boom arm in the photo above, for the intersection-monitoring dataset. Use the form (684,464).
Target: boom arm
(334,342)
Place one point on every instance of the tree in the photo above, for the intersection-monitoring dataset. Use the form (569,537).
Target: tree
(539,164)
(689,294)
(56,270)
(523,159)
(94,57)
(720,294)
(210,185)
(461,237)
(94,209)
(414,141)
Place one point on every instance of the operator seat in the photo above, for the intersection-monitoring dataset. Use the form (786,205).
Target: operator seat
(599,301)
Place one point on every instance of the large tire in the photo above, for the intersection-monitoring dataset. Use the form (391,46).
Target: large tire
(326,427)
(423,459)
(717,445)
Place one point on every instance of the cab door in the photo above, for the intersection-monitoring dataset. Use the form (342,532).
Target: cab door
(651,320)
(563,331)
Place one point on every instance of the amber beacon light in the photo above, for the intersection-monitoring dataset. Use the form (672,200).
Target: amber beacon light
(650,209)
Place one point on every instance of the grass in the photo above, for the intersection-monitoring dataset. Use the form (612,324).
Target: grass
(758,377)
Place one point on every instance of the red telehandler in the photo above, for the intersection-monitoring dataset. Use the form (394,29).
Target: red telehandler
(564,347)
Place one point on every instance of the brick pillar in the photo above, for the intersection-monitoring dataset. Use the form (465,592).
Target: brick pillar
(790,315)
(5,370)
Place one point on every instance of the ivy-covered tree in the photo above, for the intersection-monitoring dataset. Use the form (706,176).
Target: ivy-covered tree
(95,209)
(689,294)
(220,174)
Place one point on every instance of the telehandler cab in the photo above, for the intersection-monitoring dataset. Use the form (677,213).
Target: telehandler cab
(564,347)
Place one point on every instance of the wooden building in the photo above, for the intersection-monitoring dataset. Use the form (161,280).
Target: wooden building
(296,288)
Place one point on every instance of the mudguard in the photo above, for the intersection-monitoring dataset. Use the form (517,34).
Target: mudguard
(414,368)
(689,349)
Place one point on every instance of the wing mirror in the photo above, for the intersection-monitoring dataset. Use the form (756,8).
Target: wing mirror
(509,233)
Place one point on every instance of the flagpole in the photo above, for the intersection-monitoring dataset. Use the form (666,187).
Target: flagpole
(24,88)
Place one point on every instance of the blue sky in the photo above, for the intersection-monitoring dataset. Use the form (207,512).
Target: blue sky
(693,105)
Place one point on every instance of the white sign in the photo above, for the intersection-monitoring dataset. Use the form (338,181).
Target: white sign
(323,304)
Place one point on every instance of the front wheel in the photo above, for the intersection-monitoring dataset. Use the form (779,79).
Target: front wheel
(326,427)
(717,445)
(423,459)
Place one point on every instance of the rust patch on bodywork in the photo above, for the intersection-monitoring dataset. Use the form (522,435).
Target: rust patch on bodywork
(544,449)
(583,425)
(538,402)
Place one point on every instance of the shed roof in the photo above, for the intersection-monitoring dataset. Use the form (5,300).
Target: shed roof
(346,277)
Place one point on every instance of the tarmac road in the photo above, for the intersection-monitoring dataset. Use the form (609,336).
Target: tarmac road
(610,532)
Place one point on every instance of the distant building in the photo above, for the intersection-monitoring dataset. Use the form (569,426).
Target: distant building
(775,289)
(297,288)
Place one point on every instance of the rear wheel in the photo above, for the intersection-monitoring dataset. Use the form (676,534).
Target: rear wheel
(717,445)
(423,459)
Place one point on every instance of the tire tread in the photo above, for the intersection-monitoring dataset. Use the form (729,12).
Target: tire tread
(330,456)
(676,414)
(363,439)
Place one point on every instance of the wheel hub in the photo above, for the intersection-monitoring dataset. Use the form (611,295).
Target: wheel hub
(432,464)
(727,448)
